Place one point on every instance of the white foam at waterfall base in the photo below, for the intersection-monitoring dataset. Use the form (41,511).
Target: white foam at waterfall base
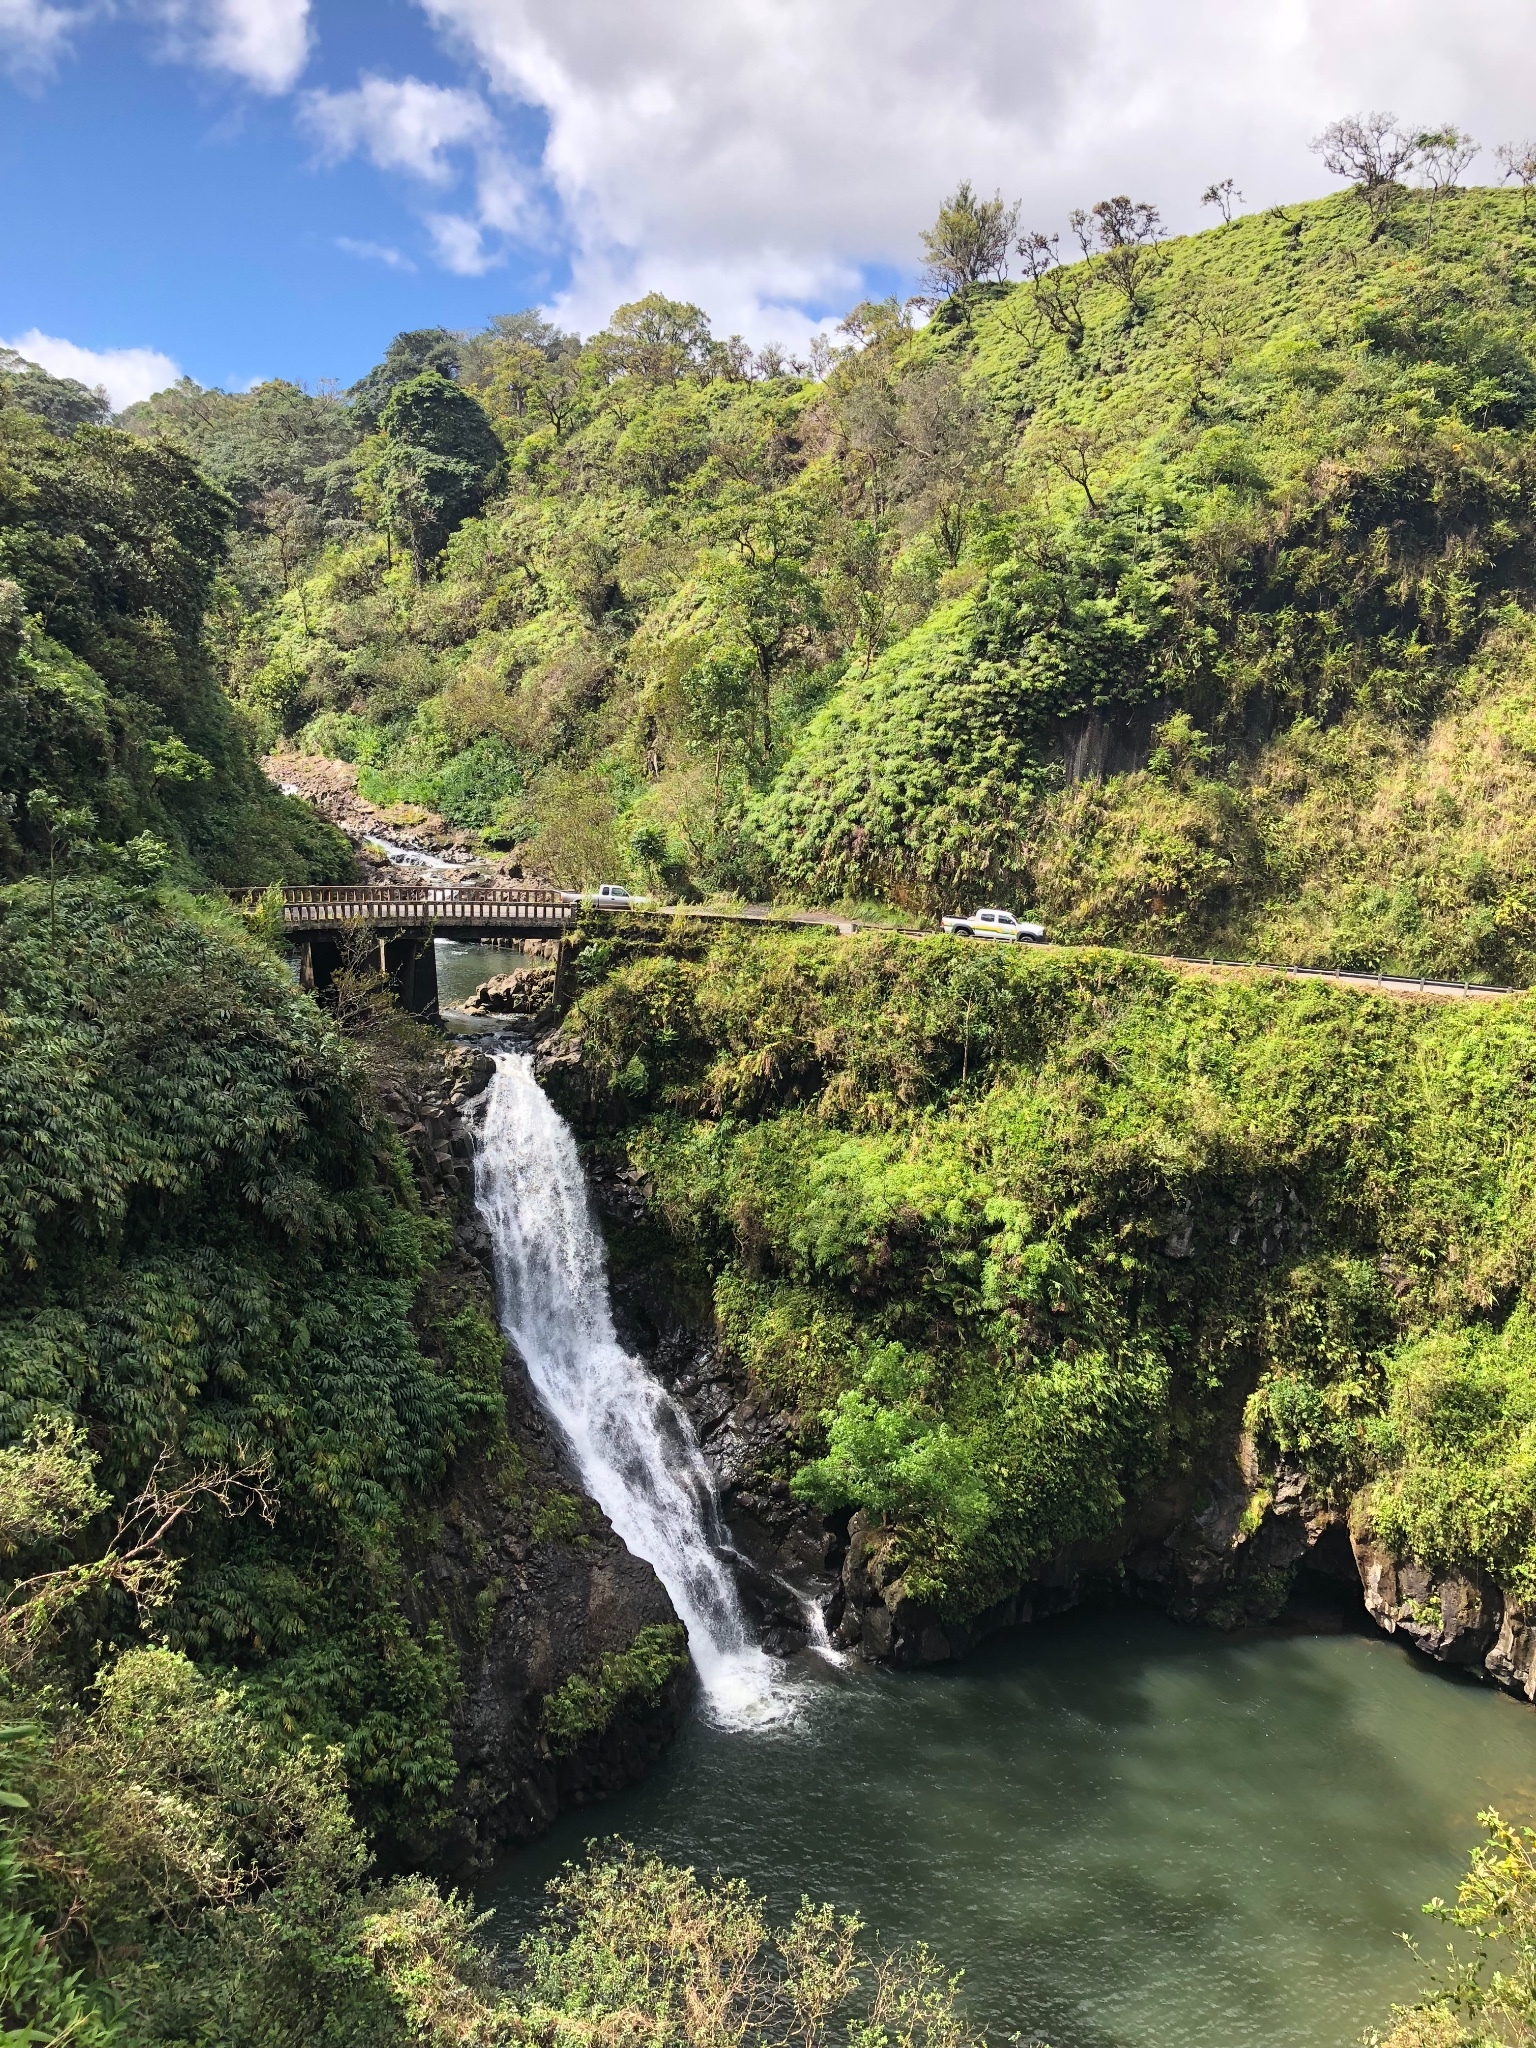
(632,1443)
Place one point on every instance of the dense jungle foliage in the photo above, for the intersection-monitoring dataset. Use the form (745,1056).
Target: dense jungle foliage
(118,749)
(169,1874)
(1016,1235)
(1178,594)
(238,1379)
(215,1255)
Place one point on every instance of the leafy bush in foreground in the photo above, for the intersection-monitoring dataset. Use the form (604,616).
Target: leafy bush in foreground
(1485,1999)
(169,1873)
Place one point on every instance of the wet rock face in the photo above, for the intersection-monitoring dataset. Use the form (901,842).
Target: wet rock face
(525,992)
(1511,1662)
(787,1556)
(1452,1616)
(522,1572)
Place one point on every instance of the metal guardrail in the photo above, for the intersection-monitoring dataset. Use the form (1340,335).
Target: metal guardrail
(438,904)
(1355,977)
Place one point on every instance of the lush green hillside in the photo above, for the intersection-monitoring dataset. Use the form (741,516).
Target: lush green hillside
(118,750)
(1018,1237)
(213,1254)
(1278,519)
(1181,598)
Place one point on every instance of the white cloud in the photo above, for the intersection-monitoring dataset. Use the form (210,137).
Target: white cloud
(404,124)
(33,36)
(265,42)
(400,124)
(460,245)
(374,252)
(752,152)
(126,374)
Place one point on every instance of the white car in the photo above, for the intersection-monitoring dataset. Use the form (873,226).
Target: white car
(994,924)
(612,896)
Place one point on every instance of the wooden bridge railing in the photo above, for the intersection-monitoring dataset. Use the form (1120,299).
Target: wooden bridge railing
(441,904)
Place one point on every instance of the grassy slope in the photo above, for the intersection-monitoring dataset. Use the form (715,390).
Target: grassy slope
(1310,460)
(1010,1233)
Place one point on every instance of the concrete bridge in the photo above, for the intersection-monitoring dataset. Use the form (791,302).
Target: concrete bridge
(393,924)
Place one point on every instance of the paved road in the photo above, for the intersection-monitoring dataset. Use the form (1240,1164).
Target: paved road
(1380,984)
(525,908)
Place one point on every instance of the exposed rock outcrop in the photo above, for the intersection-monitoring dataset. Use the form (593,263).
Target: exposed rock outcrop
(1511,1662)
(523,993)
(330,786)
(1451,1616)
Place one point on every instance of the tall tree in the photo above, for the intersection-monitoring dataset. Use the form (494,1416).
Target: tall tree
(1058,296)
(656,340)
(1374,154)
(1121,232)
(408,355)
(432,465)
(969,242)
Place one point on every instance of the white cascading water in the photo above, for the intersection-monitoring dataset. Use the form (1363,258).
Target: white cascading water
(633,1446)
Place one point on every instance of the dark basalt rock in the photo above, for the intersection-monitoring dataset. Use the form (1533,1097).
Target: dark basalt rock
(1454,1617)
(1511,1662)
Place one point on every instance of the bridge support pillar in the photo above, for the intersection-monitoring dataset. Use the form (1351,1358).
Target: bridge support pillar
(319,960)
(409,963)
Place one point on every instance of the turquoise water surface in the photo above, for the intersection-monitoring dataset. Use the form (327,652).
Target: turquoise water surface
(1125,1832)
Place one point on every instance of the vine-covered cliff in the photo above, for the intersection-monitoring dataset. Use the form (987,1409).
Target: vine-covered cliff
(1063,1262)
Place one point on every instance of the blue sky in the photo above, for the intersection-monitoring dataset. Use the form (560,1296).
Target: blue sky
(161,204)
(249,188)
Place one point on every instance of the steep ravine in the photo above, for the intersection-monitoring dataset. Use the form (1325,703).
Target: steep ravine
(1219,1543)
(543,1602)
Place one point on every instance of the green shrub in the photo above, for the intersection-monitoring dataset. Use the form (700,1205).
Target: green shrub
(587,1701)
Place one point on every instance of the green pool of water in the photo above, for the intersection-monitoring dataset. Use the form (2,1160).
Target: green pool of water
(1123,1831)
(461,967)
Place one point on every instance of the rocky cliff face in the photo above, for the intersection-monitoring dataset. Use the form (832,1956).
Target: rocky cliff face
(1220,1543)
(520,1569)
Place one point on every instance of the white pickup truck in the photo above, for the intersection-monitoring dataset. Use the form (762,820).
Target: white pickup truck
(613,896)
(993,924)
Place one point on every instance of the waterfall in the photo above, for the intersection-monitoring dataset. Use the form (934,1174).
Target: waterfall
(632,1443)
